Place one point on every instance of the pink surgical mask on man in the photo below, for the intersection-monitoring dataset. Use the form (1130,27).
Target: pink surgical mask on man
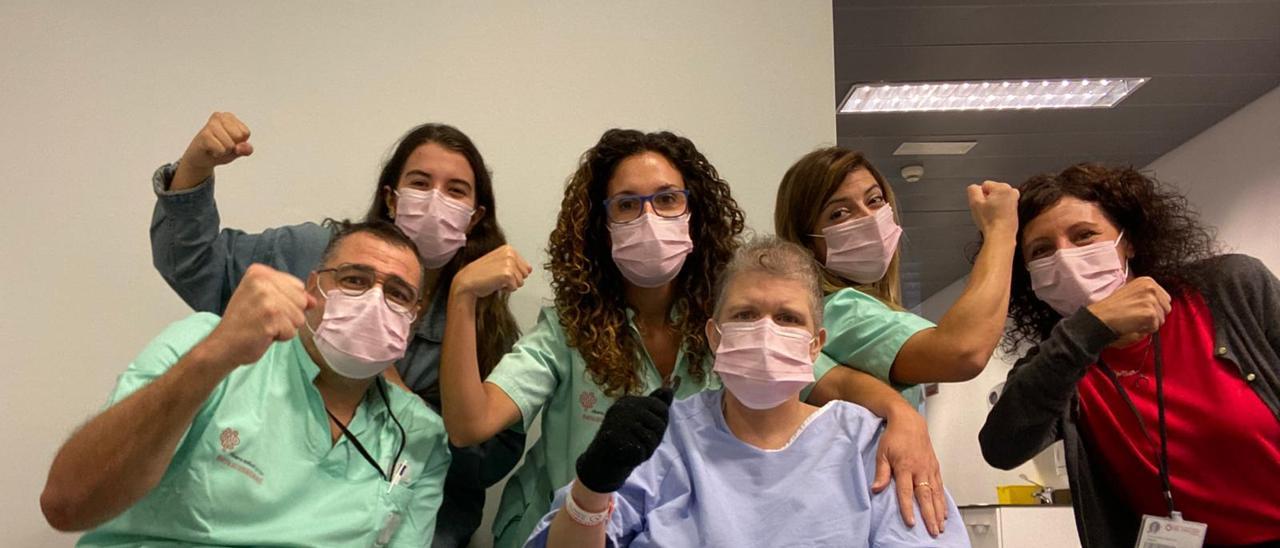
(435,222)
(764,364)
(1076,277)
(651,249)
(359,336)
(861,249)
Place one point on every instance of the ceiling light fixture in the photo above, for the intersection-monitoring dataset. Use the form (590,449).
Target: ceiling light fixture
(934,148)
(989,95)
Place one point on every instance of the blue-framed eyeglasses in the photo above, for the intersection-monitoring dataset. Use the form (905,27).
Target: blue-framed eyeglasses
(667,203)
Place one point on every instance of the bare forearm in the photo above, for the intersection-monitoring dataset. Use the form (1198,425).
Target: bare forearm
(186,176)
(463,398)
(977,319)
(960,347)
(120,455)
(566,533)
(851,385)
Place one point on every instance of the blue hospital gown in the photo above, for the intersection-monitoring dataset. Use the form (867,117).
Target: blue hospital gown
(705,487)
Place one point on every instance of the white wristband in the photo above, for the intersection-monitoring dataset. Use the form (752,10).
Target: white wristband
(583,517)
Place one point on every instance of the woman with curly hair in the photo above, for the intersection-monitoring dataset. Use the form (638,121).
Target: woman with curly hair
(835,203)
(1155,359)
(645,227)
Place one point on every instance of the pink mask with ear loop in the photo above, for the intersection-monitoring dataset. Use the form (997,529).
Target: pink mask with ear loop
(435,222)
(1076,277)
(861,249)
(360,336)
(762,363)
(651,249)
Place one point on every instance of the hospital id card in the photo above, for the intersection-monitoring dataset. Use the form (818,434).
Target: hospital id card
(1158,532)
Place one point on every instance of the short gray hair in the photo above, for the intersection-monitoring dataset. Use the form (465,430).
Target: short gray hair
(777,258)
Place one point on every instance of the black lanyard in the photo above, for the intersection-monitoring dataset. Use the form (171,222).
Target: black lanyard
(382,391)
(1164,436)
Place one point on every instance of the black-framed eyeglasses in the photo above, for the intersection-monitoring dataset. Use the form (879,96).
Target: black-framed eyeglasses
(667,203)
(355,279)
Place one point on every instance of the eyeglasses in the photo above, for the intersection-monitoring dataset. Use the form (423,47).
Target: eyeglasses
(355,279)
(668,203)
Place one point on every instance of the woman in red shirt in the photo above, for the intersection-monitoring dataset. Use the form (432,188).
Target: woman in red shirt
(1153,358)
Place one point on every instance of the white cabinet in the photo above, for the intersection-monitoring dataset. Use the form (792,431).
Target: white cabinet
(1020,526)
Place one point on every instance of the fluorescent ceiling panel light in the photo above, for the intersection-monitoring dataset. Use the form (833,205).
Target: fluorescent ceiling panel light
(989,95)
(949,148)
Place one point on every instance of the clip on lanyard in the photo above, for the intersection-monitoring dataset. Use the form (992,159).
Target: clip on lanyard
(1164,436)
(382,391)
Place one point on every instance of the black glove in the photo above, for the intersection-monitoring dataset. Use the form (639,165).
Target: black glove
(630,433)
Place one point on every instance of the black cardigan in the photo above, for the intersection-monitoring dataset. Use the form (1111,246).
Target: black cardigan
(1040,403)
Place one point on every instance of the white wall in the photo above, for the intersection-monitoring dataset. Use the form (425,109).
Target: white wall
(1231,174)
(95,95)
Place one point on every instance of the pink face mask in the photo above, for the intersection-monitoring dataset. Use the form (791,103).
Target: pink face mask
(360,336)
(861,249)
(762,363)
(435,222)
(1078,276)
(651,249)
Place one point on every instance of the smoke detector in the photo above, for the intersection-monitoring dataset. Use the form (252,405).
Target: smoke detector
(912,173)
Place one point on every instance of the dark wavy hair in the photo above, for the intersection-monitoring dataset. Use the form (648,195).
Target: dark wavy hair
(493,315)
(1164,232)
(589,287)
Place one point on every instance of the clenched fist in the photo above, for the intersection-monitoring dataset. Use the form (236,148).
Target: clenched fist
(222,139)
(501,269)
(267,306)
(1135,310)
(994,207)
(632,429)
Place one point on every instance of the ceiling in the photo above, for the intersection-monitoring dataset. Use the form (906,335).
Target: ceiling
(1206,59)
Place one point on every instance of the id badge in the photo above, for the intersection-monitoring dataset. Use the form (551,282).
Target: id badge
(1175,532)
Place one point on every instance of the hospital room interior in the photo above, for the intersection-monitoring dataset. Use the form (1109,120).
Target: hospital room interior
(987,273)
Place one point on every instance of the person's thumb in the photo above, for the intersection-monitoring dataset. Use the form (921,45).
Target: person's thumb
(664,394)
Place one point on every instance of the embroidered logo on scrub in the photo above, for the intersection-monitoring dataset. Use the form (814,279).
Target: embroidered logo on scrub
(230,439)
(589,400)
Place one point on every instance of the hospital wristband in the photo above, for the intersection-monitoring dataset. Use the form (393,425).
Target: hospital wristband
(583,517)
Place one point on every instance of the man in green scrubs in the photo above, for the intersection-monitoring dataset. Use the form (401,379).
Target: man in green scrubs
(238,431)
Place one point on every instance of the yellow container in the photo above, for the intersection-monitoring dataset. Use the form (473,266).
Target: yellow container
(1017,494)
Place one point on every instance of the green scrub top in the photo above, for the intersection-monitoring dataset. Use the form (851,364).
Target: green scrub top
(259,467)
(864,333)
(543,373)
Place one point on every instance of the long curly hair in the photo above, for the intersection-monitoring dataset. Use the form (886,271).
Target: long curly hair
(806,186)
(493,314)
(589,290)
(1164,232)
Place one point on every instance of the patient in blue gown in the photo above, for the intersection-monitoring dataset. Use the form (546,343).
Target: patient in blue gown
(748,465)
